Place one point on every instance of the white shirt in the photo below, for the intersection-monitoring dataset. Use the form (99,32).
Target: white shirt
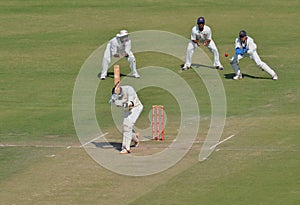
(249,43)
(118,47)
(201,35)
(128,95)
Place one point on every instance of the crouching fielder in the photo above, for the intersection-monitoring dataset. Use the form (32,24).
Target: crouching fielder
(245,47)
(118,47)
(201,34)
(126,98)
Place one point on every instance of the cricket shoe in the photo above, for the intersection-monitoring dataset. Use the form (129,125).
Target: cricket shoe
(101,76)
(124,151)
(275,77)
(185,67)
(136,76)
(238,76)
(220,67)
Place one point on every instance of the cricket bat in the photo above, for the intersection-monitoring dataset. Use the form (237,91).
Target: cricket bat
(116,74)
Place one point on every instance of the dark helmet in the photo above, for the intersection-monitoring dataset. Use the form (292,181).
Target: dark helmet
(242,33)
(201,20)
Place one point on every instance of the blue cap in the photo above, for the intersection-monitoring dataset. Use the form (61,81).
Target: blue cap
(242,33)
(201,20)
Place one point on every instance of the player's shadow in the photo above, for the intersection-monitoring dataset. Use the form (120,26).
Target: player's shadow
(108,145)
(231,75)
(194,65)
(111,75)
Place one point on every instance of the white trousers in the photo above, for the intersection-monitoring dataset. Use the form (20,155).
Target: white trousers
(130,117)
(234,61)
(211,47)
(107,59)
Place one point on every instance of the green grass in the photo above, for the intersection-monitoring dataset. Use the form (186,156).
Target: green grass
(43,45)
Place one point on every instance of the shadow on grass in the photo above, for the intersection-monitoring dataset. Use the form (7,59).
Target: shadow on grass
(228,75)
(111,75)
(231,75)
(109,145)
(193,65)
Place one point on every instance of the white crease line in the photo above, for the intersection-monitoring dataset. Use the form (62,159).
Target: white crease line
(94,139)
(260,149)
(212,147)
(42,146)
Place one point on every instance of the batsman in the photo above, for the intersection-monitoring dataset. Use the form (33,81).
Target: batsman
(125,97)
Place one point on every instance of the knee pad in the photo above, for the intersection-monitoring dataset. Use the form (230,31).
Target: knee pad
(127,128)
(261,64)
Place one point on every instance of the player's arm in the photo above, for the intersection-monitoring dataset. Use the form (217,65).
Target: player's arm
(251,47)
(194,37)
(114,100)
(238,47)
(206,42)
(127,47)
(208,37)
(197,42)
(131,98)
(114,50)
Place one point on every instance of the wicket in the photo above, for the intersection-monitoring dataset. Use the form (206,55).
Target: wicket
(158,127)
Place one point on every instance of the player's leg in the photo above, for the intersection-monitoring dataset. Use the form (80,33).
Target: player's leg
(105,62)
(234,61)
(135,113)
(127,134)
(255,57)
(132,61)
(213,49)
(136,138)
(189,54)
(129,120)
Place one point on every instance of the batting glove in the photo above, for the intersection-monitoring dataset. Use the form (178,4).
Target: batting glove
(125,105)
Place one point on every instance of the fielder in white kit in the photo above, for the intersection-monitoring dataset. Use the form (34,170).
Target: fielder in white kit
(119,46)
(126,97)
(201,34)
(245,47)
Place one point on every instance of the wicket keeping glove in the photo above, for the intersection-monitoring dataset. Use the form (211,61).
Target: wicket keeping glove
(239,51)
(245,50)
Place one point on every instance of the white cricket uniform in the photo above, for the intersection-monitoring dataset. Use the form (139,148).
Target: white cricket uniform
(131,114)
(251,53)
(201,36)
(115,46)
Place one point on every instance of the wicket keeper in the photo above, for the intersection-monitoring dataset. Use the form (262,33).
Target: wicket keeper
(245,47)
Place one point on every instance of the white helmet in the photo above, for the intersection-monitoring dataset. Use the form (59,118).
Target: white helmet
(122,33)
